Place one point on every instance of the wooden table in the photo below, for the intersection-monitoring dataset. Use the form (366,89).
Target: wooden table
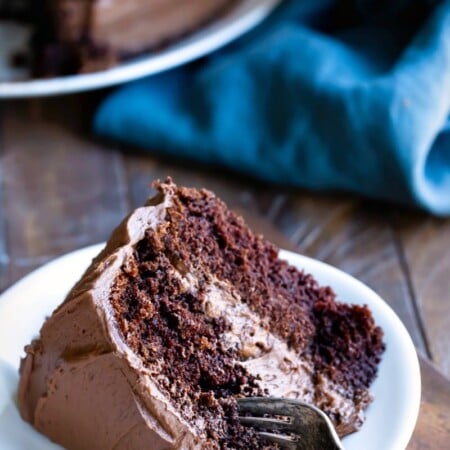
(60,190)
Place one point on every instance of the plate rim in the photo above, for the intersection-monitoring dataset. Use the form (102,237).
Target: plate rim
(9,297)
(244,16)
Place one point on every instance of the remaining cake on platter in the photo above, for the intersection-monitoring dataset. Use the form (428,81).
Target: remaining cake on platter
(184,311)
(73,36)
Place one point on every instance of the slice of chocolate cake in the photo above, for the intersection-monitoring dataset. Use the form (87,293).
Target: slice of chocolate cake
(184,311)
(78,36)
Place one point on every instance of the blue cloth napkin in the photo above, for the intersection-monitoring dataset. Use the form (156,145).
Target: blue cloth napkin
(350,95)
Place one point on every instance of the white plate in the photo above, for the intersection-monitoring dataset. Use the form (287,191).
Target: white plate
(241,18)
(390,418)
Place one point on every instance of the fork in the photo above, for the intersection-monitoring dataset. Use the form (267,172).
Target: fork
(303,426)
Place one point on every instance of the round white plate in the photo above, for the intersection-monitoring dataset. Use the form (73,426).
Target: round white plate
(241,18)
(390,418)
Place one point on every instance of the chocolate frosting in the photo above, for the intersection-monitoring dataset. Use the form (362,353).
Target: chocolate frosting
(80,384)
(129,26)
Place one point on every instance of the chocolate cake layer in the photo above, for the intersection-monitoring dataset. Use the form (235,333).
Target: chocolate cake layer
(184,311)
(78,36)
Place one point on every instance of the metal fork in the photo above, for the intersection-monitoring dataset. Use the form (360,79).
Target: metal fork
(303,426)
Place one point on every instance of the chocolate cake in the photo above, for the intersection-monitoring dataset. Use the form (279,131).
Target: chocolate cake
(184,311)
(74,36)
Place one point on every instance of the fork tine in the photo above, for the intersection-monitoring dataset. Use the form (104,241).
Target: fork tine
(270,405)
(286,442)
(309,427)
(267,424)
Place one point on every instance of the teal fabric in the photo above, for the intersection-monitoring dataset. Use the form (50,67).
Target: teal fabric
(348,95)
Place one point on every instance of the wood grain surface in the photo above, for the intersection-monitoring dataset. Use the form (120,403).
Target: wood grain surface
(426,253)
(61,189)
